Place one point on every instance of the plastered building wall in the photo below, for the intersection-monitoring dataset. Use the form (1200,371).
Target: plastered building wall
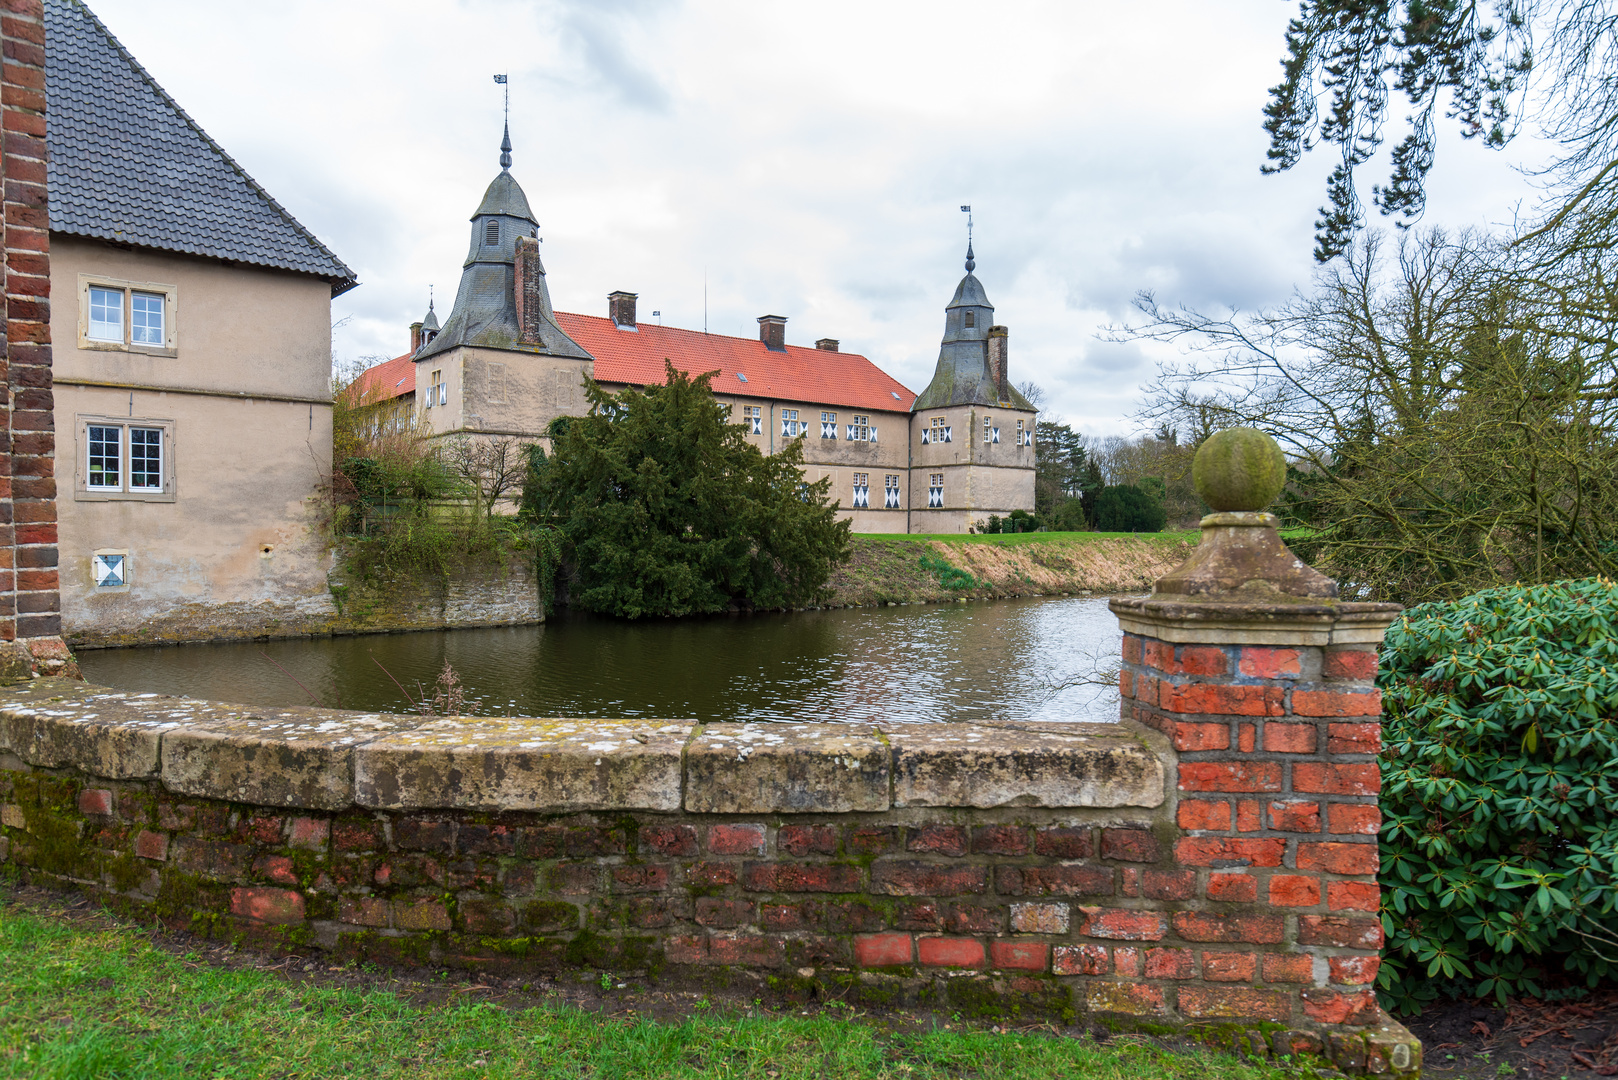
(242,392)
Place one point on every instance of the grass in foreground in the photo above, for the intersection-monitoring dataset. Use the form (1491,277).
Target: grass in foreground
(97,1000)
(1184,537)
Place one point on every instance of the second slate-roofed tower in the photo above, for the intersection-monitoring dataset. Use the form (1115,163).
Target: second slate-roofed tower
(971,432)
(500,366)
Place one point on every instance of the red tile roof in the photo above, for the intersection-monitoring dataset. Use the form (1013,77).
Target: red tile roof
(636,358)
(387,380)
(797,374)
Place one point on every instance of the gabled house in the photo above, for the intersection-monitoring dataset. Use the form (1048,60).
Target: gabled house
(191,315)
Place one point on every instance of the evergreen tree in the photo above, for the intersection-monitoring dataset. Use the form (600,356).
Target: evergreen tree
(666,509)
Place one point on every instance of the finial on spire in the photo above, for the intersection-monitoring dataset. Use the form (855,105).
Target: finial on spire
(971,263)
(505,143)
(429,299)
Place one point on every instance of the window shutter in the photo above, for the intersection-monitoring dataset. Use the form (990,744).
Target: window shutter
(949,432)
(926,436)
(872,436)
(996,437)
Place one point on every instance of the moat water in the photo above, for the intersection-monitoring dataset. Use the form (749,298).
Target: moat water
(1000,659)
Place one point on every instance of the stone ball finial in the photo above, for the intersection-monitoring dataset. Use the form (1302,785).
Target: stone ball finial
(1239,469)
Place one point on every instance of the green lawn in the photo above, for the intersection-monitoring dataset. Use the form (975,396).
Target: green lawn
(89,998)
(1186,537)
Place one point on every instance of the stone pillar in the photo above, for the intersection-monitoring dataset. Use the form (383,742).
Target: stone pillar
(1264,678)
(30,610)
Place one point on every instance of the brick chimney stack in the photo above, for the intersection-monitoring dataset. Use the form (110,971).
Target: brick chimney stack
(826,344)
(772,331)
(998,340)
(621,308)
(415,337)
(528,286)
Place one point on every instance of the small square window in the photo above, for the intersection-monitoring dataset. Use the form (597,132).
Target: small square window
(106,315)
(110,569)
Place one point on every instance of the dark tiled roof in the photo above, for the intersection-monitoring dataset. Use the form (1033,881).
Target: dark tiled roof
(127,164)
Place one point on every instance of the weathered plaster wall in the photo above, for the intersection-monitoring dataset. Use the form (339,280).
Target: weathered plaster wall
(244,399)
(504,593)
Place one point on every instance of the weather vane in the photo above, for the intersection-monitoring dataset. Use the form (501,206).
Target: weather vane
(971,263)
(505,143)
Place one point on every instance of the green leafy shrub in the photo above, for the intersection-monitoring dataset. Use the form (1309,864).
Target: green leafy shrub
(1499,775)
(1127,508)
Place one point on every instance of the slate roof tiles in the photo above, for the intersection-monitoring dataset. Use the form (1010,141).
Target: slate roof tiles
(127,164)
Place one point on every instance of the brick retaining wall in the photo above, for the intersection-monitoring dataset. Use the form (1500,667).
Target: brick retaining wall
(1062,871)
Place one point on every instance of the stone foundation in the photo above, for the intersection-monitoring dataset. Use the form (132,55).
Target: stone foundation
(1060,871)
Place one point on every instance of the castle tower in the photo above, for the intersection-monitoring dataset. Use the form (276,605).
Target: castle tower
(971,432)
(500,365)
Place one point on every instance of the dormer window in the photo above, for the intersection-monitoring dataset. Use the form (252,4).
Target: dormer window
(491,233)
(971,316)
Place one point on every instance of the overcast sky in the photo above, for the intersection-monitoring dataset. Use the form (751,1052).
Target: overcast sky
(807,160)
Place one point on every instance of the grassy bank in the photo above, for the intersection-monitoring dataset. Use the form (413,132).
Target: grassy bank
(82,996)
(896,568)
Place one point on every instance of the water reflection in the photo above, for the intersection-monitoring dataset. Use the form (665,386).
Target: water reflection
(1006,659)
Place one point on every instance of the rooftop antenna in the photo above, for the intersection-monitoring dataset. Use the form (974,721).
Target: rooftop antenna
(971,263)
(704,299)
(505,142)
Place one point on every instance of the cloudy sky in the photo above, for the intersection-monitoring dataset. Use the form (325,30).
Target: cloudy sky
(807,160)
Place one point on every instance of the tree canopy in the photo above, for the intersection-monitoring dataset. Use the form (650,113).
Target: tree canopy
(1471,60)
(665,509)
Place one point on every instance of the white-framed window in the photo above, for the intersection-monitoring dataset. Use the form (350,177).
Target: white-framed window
(828,425)
(130,316)
(991,434)
(890,491)
(935,490)
(123,458)
(437,389)
(790,427)
(862,489)
(1025,434)
(860,430)
(106,314)
(936,431)
(753,417)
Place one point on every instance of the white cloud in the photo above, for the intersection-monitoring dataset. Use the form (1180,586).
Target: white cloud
(806,160)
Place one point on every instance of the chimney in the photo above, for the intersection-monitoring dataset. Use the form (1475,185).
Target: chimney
(772,331)
(997,362)
(415,337)
(827,344)
(621,309)
(528,286)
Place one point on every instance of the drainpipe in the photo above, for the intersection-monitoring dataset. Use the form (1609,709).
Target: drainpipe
(772,428)
(910,467)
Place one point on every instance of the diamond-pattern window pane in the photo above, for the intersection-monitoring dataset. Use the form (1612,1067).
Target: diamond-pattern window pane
(109,571)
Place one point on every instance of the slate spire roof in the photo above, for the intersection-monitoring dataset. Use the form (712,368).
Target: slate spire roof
(962,376)
(127,164)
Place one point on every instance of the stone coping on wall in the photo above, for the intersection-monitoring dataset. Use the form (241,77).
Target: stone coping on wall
(329,759)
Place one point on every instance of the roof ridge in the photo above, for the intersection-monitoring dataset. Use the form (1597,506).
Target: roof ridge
(140,69)
(714,334)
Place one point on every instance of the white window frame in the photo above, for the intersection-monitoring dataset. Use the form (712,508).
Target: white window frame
(123,491)
(862,490)
(753,417)
(170,295)
(890,491)
(791,427)
(828,425)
